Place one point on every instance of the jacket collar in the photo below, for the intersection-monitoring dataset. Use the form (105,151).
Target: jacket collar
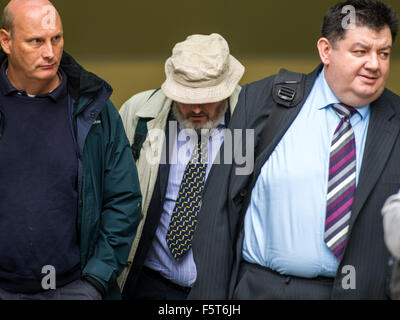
(154,105)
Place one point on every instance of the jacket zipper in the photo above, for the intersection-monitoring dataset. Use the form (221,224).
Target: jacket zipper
(75,128)
(78,113)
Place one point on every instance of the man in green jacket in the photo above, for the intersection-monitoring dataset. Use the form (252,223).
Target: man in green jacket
(70,200)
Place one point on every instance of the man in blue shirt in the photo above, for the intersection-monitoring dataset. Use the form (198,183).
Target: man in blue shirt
(312,228)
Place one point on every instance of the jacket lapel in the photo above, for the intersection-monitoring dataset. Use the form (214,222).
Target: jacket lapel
(382,134)
(165,166)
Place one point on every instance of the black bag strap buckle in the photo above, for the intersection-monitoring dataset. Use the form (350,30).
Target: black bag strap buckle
(287,93)
(288,89)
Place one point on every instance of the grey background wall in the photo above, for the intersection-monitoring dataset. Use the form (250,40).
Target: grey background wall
(126,42)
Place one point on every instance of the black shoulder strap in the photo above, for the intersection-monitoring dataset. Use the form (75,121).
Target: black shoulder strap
(141,133)
(140,137)
(287,92)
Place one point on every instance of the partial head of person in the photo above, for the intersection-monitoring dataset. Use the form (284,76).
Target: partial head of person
(355,48)
(201,76)
(32,38)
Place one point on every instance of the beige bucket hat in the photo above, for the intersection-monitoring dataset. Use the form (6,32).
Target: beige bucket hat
(201,70)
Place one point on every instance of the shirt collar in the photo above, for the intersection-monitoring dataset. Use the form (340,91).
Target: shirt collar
(329,98)
(9,89)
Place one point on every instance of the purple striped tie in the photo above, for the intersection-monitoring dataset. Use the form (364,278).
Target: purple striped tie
(342,182)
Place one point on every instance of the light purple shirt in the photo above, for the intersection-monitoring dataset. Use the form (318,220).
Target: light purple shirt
(183,271)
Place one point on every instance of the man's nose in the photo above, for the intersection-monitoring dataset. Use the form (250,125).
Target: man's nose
(373,62)
(196,108)
(48,50)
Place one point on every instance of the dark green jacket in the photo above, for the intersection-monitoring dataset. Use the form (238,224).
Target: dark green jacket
(109,208)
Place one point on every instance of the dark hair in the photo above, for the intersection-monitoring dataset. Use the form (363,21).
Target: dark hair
(7,20)
(373,14)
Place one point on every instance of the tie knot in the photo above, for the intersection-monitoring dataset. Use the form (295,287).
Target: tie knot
(344,110)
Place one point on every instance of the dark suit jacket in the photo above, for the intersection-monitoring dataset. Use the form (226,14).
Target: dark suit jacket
(153,215)
(217,243)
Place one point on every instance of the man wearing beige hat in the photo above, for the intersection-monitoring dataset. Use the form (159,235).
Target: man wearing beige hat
(176,133)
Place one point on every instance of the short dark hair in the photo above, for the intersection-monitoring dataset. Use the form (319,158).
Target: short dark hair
(7,20)
(373,14)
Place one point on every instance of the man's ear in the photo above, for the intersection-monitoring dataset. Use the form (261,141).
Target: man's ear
(5,39)
(324,49)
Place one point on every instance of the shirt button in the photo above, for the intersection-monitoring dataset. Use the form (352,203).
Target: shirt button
(325,268)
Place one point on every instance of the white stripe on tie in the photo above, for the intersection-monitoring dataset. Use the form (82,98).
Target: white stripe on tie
(341,174)
(337,225)
(341,140)
(340,186)
(338,236)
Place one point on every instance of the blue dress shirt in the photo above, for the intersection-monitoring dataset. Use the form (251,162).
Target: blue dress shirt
(285,222)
